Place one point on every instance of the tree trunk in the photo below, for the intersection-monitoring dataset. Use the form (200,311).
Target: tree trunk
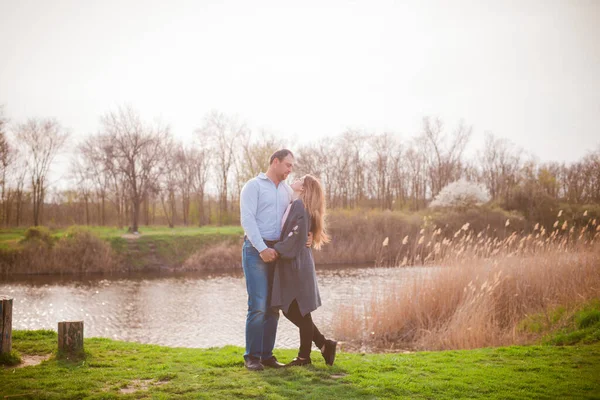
(19,207)
(185,204)
(201,209)
(153,218)
(135,215)
(41,205)
(103,210)
(70,337)
(172,205)
(35,189)
(8,205)
(209,215)
(87,211)
(5,324)
(166,211)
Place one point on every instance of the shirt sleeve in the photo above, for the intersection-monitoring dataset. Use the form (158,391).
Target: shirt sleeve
(248,211)
(295,240)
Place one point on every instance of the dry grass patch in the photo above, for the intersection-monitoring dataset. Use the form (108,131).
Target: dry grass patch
(77,251)
(140,385)
(217,256)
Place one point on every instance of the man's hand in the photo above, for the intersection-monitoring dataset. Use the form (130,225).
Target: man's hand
(310,239)
(268,255)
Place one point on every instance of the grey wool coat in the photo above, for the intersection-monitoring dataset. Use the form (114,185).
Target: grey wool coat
(295,276)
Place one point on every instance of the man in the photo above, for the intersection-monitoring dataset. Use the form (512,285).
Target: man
(263,202)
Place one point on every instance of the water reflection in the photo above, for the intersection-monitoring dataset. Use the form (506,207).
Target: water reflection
(189,310)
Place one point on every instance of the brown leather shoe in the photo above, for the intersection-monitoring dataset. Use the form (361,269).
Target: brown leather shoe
(298,362)
(272,363)
(253,364)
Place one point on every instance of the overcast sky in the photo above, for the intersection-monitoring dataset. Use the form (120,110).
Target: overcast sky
(525,70)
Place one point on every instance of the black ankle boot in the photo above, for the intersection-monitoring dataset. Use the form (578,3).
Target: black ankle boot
(329,351)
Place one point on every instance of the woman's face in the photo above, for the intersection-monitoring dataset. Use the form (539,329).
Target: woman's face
(298,185)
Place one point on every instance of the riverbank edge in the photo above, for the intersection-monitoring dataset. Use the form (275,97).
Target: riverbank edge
(170,254)
(115,369)
(357,238)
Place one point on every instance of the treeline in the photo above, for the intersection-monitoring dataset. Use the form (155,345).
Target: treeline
(135,172)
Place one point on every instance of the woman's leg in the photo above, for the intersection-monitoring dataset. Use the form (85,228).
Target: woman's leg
(296,318)
(305,325)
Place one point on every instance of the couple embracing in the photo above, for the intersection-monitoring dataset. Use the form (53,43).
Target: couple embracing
(282,223)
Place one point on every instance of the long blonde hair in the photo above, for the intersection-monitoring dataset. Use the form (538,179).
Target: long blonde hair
(313,198)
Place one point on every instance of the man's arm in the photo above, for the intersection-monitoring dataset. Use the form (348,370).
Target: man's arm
(248,211)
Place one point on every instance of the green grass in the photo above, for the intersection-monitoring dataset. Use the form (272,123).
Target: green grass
(563,327)
(582,327)
(161,372)
(10,237)
(12,358)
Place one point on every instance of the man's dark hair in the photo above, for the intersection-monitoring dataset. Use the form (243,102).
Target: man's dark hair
(280,155)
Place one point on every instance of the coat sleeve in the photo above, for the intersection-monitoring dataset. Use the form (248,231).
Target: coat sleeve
(295,240)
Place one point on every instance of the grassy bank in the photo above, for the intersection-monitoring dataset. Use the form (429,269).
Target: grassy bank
(109,249)
(113,369)
(357,238)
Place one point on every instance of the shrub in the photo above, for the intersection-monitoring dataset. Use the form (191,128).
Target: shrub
(462,194)
(38,233)
(80,251)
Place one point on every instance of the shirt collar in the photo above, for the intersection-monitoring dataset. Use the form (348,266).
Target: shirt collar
(262,175)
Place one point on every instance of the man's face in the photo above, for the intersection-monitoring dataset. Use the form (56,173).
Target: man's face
(284,167)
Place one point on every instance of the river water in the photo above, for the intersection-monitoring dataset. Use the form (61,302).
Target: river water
(189,310)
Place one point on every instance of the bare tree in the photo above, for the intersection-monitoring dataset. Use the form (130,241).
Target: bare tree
(254,155)
(398,176)
(444,152)
(417,173)
(98,168)
(7,156)
(138,152)
(500,164)
(168,183)
(84,181)
(384,146)
(41,139)
(222,134)
(183,179)
(315,159)
(591,171)
(198,166)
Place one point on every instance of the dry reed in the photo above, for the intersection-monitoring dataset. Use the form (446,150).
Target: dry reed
(485,288)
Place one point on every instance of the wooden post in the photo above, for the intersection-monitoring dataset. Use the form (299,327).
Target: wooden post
(70,337)
(5,324)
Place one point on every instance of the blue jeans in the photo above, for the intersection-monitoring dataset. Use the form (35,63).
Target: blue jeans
(261,321)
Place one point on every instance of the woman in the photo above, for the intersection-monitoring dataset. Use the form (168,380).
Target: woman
(295,289)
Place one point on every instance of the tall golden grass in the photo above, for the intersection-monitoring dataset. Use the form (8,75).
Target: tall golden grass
(357,235)
(479,287)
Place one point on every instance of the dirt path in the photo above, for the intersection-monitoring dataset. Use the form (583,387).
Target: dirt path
(149,254)
(29,361)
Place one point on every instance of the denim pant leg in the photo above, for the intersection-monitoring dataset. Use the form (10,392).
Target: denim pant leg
(261,321)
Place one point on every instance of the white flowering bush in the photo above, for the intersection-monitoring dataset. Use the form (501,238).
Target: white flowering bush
(461,193)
